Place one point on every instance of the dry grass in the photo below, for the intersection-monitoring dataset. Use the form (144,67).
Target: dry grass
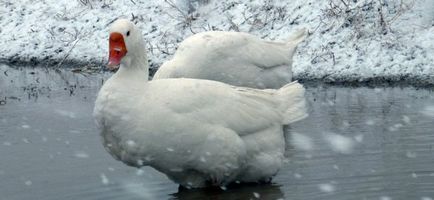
(366,20)
(98,3)
(363,17)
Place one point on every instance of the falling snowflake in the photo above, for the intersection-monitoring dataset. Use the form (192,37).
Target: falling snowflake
(326,187)
(339,143)
(104,179)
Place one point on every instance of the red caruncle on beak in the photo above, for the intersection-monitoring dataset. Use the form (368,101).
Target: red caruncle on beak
(117,50)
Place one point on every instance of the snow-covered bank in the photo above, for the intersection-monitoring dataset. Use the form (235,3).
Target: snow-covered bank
(348,41)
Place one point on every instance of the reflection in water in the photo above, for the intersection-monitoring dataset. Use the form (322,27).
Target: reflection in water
(30,83)
(392,145)
(357,143)
(244,191)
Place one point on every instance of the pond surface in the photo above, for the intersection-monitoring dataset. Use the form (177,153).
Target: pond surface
(357,143)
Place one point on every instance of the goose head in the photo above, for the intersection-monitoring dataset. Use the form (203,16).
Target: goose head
(126,46)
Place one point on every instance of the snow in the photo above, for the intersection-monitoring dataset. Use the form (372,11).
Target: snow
(257,195)
(25,126)
(81,154)
(297,175)
(395,127)
(140,190)
(425,198)
(370,122)
(65,113)
(25,140)
(131,143)
(176,170)
(385,198)
(410,154)
(359,138)
(428,111)
(406,119)
(28,183)
(7,143)
(302,142)
(353,45)
(326,187)
(74,131)
(140,172)
(339,143)
(104,179)
(170,149)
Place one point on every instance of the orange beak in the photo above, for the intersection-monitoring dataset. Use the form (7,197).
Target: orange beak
(117,50)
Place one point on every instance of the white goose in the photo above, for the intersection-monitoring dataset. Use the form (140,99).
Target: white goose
(234,58)
(197,132)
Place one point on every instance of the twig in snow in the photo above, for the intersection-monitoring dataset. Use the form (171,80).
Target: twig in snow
(234,26)
(173,5)
(67,54)
(402,8)
(188,18)
(345,3)
(86,2)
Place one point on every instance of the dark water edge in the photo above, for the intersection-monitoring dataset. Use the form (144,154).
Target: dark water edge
(91,65)
(49,63)
(50,148)
(423,81)
(426,81)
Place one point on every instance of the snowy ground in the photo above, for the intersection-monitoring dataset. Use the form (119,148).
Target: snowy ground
(348,41)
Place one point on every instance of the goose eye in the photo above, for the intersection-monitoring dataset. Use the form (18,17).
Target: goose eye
(128,33)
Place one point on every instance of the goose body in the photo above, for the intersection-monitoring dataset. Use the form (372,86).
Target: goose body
(197,132)
(235,58)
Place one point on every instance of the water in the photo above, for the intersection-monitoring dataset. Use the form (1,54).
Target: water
(358,143)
